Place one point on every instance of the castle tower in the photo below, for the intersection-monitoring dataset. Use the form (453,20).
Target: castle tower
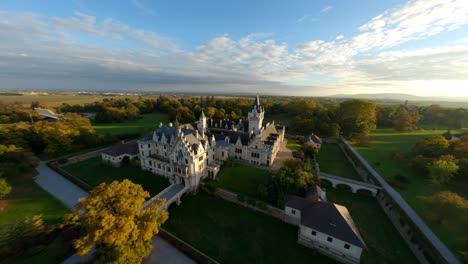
(256,116)
(202,124)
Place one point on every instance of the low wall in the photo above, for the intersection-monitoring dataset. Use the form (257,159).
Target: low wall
(188,250)
(83,185)
(268,210)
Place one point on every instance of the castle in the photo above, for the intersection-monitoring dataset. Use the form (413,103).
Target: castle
(191,152)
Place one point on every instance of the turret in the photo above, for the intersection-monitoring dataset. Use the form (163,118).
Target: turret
(202,124)
(256,116)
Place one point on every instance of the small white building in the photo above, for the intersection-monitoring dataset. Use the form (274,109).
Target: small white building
(324,226)
(48,115)
(117,153)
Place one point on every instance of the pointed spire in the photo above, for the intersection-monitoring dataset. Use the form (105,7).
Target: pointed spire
(257,101)
(202,115)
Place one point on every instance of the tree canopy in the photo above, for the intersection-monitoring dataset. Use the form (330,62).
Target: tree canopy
(114,223)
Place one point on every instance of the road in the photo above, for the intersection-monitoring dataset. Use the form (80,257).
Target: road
(68,193)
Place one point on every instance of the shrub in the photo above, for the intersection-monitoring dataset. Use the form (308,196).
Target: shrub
(401,178)
(240,198)
(262,205)
(251,201)
(377,163)
(62,161)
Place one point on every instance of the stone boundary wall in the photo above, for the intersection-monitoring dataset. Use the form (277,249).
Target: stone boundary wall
(269,210)
(422,248)
(83,185)
(190,251)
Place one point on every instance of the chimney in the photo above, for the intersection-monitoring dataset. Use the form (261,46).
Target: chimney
(160,124)
(170,124)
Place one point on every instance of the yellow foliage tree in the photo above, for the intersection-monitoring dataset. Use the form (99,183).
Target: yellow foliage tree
(113,221)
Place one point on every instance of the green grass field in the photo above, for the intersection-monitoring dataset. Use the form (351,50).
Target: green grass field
(141,126)
(293,144)
(242,179)
(94,172)
(280,119)
(230,233)
(384,143)
(384,243)
(27,199)
(332,160)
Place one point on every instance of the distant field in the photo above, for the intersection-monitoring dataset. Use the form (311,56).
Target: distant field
(332,160)
(230,233)
(384,244)
(242,179)
(384,143)
(56,99)
(94,172)
(141,126)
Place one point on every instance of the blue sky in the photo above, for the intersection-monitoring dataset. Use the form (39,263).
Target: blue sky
(275,47)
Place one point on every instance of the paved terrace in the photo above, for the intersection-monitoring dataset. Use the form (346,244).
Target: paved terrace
(441,248)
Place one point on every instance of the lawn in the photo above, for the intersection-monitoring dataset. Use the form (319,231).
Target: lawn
(384,243)
(280,119)
(332,160)
(384,143)
(242,179)
(141,126)
(230,233)
(94,172)
(28,199)
(293,144)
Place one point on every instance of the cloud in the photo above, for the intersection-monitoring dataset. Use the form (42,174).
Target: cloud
(326,9)
(143,8)
(67,53)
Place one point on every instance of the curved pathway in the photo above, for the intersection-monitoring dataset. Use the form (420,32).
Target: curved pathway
(68,193)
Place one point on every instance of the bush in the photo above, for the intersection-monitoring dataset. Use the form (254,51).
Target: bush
(377,163)
(251,201)
(240,198)
(401,178)
(62,161)
(262,205)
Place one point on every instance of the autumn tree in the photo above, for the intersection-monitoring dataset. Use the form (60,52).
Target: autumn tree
(434,147)
(5,188)
(441,171)
(114,222)
(447,205)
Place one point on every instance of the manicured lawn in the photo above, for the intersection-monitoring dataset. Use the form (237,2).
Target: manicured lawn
(242,179)
(332,160)
(230,233)
(385,142)
(141,126)
(384,244)
(28,199)
(293,144)
(94,172)
(280,119)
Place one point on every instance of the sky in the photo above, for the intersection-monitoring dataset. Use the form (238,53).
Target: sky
(297,47)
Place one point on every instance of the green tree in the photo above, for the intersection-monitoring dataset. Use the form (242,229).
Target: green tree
(5,188)
(440,171)
(357,116)
(115,224)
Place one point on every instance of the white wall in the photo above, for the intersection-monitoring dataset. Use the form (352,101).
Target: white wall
(293,214)
(336,244)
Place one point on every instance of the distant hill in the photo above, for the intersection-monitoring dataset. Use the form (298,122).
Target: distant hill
(401,97)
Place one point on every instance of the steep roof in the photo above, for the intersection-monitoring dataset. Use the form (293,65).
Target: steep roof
(256,104)
(121,148)
(333,220)
(47,113)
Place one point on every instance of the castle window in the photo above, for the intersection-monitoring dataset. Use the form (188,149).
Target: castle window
(293,211)
(314,233)
(346,246)
(200,158)
(186,161)
(150,163)
(329,239)
(238,150)
(149,145)
(222,153)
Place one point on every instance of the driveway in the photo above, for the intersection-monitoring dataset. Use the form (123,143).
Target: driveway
(61,188)
(69,193)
